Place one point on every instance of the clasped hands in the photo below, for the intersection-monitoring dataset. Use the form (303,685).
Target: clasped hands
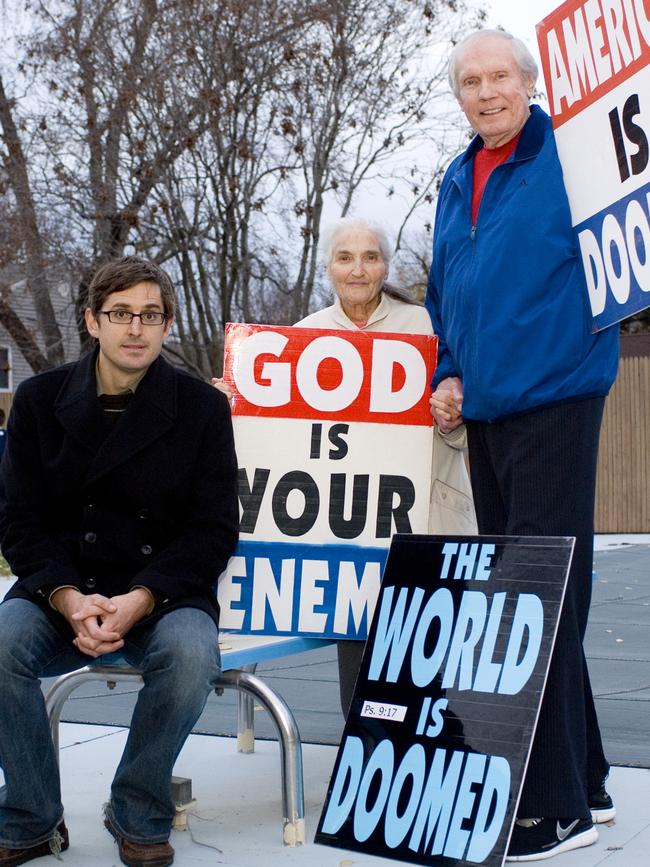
(447,404)
(100,623)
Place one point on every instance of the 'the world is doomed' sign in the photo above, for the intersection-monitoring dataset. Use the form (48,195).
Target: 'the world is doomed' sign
(595,57)
(437,740)
(333,432)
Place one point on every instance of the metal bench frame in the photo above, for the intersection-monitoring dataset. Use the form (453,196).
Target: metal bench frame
(239,661)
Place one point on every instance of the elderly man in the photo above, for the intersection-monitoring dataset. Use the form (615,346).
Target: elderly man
(118,511)
(519,364)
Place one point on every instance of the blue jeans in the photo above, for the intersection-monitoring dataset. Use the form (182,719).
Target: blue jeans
(179,658)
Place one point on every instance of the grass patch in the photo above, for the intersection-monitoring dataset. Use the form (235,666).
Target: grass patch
(5,571)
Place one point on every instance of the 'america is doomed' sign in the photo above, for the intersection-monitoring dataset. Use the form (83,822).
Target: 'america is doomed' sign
(438,736)
(595,56)
(333,433)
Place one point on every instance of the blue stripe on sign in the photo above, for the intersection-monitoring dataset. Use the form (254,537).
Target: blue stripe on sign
(615,249)
(322,591)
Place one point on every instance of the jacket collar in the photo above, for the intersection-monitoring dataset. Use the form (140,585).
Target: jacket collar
(534,134)
(380,312)
(150,413)
(532,138)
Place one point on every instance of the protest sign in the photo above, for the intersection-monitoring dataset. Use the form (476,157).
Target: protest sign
(595,58)
(436,743)
(333,433)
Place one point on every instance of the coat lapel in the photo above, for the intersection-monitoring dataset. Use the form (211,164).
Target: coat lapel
(77,408)
(149,415)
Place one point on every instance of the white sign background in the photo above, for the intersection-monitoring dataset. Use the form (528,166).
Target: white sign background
(313,542)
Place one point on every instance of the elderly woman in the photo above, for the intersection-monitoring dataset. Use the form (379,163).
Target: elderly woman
(356,254)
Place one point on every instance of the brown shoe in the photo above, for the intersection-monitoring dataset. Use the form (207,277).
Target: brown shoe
(139,854)
(58,842)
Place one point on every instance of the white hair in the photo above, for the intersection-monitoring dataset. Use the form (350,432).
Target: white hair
(345,224)
(524,59)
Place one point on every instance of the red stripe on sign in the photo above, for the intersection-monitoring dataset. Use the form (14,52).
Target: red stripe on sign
(280,372)
(588,48)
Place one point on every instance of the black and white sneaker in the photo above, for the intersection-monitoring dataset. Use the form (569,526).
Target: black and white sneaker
(601,806)
(538,839)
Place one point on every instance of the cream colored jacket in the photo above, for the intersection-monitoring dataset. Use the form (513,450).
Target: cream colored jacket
(451,507)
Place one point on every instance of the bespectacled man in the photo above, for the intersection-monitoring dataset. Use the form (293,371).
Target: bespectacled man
(118,511)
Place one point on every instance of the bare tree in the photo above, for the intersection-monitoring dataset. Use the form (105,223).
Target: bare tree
(15,165)
(362,100)
(118,121)
(211,212)
(410,267)
(317,109)
(213,136)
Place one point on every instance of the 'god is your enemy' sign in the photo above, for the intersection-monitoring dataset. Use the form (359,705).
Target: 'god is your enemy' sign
(333,433)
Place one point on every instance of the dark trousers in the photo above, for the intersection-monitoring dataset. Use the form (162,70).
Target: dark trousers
(535,475)
(349,655)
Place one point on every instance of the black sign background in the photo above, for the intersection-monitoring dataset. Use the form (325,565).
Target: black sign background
(471,744)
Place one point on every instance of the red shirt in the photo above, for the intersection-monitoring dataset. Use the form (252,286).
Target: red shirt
(485,162)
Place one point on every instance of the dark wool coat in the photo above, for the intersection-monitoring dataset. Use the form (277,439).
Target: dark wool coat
(154,503)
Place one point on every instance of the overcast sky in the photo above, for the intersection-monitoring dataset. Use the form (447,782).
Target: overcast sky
(520,17)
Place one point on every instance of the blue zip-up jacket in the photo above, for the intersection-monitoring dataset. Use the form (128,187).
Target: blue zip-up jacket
(507,296)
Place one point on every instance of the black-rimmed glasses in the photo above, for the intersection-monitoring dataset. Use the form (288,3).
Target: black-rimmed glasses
(126,317)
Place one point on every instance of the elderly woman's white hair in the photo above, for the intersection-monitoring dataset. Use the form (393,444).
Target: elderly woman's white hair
(524,59)
(345,224)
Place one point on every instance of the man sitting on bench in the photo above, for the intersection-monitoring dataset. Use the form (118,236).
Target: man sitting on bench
(118,511)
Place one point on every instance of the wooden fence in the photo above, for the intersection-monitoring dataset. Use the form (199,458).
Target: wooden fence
(623,485)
